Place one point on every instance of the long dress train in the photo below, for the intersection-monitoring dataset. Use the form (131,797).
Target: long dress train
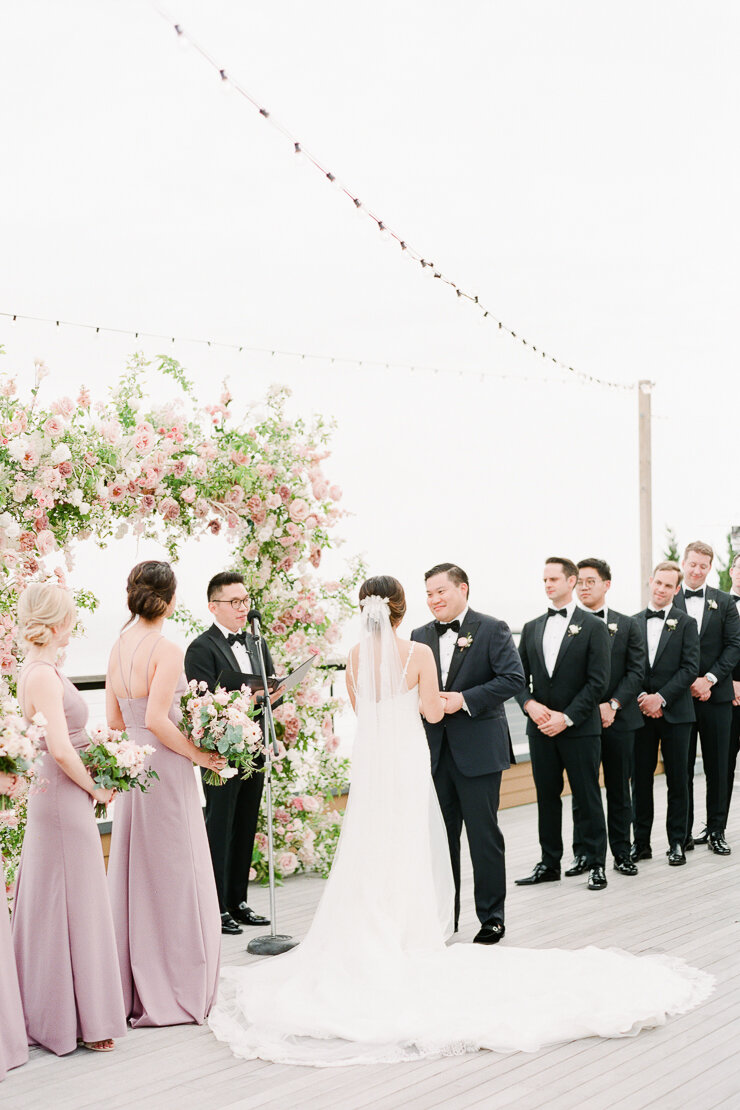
(163,894)
(63,936)
(373,980)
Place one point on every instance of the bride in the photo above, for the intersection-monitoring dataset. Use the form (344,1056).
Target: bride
(373,981)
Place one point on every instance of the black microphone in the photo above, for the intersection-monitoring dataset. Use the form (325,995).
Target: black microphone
(254,617)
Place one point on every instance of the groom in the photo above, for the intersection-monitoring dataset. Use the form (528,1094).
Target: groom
(478,668)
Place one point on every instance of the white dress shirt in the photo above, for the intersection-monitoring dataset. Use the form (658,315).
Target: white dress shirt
(655,630)
(695,606)
(447,643)
(239,650)
(555,629)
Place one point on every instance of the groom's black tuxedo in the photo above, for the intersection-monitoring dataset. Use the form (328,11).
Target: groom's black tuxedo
(469,750)
(719,649)
(577,684)
(232,809)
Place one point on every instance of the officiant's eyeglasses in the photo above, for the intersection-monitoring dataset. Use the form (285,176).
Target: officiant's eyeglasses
(234,602)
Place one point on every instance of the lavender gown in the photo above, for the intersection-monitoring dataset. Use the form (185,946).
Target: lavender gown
(160,876)
(63,936)
(13,1039)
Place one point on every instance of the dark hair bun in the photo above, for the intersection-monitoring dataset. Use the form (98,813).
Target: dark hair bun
(150,588)
(382,585)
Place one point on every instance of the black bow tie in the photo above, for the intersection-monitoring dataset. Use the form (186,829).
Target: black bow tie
(659,613)
(693,593)
(440,628)
(557,612)
(598,613)
(237,638)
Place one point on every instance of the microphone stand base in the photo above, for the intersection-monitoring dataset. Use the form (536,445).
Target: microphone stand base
(271,946)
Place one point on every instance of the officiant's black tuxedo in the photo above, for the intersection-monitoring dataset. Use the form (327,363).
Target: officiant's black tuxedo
(719,646)
(627,665)
(578,683)
(469,751)
(232,809)
(674,668)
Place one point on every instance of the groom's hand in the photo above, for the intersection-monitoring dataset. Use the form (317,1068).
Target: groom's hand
(537,712)
(555,725)
(453,701)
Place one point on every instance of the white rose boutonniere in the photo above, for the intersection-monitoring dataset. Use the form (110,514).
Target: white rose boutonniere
(711,603)
(671,624)
(613,628)
(464,642)
(574,629)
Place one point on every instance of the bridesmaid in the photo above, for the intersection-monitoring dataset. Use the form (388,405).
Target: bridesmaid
(160,876)
(63,935)
(13,1040)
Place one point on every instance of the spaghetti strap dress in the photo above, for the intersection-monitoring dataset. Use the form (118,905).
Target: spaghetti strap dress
(163,894)
(63,937)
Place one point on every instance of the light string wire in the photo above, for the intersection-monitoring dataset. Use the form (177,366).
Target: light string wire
(301,151)
(217,344)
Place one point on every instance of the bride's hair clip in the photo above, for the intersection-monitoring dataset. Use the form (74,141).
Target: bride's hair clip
(375,607)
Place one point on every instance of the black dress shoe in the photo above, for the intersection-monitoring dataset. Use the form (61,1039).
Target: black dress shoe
(701,838)
(490,933)
(541,874)
(246,916)
(229,927)
(640,851)
(624,865)
(718,844)
(676,856)
(578,866)
(596,878)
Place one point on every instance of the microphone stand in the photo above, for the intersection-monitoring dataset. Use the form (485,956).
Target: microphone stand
(275,943)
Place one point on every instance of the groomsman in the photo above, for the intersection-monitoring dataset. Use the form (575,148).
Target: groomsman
(717,620)
(222,656)
(565,655)
(478,670)
(672,642)
(735,730)
(620,715)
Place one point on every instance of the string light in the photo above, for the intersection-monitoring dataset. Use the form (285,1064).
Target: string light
(387,232)
(97,329)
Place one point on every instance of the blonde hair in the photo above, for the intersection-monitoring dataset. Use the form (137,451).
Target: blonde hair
(700,548)
(668,564)
(42,607)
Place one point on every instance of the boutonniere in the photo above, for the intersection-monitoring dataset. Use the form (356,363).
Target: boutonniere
(574,629)
(464,642)
(612,629)
(711,603)
(671,624)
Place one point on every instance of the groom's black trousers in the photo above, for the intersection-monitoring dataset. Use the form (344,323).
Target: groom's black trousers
(474,801)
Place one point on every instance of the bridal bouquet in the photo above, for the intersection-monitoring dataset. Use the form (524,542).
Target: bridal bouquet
(222,722)
(116,763)
(19,745)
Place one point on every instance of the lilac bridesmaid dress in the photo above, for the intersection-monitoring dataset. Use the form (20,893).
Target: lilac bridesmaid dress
(13,1039)
(163,894)
(63,935)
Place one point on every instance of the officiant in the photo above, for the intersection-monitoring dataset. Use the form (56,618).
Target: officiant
(224,655)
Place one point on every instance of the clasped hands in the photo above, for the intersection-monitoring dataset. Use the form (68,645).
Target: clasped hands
(651,705)
(701,689)
(549,721)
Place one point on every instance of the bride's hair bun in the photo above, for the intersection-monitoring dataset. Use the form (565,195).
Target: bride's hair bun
(382,585)
(44,606)
(150,588)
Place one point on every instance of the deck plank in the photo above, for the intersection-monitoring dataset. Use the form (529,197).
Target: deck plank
(690,912)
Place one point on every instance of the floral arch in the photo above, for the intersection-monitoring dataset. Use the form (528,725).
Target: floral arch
(74,468)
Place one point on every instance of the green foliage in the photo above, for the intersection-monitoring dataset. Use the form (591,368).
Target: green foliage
(671,546)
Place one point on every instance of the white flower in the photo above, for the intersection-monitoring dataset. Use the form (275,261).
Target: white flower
(60,454)
(711,603)
(613,628)
(574,629)
(671,624)
(75,497)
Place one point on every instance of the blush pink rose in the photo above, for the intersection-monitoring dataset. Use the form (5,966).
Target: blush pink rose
(287,862)
(147,503)
(45,542)
(189,494)
(169,509)
(144,436)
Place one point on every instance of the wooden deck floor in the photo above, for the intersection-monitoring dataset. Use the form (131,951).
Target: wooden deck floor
(693,1062)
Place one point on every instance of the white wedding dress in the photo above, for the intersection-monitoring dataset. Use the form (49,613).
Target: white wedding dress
(373,981)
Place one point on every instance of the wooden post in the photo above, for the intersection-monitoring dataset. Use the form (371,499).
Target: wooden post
(646,487)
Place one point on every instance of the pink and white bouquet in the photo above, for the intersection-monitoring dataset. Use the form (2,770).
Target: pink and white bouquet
(116,763)
(19,744)
(222,722)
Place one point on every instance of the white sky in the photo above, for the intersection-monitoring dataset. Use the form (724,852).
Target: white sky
(573,165)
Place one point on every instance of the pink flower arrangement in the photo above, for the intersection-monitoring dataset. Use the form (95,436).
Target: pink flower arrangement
(222,722)
(116,763)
